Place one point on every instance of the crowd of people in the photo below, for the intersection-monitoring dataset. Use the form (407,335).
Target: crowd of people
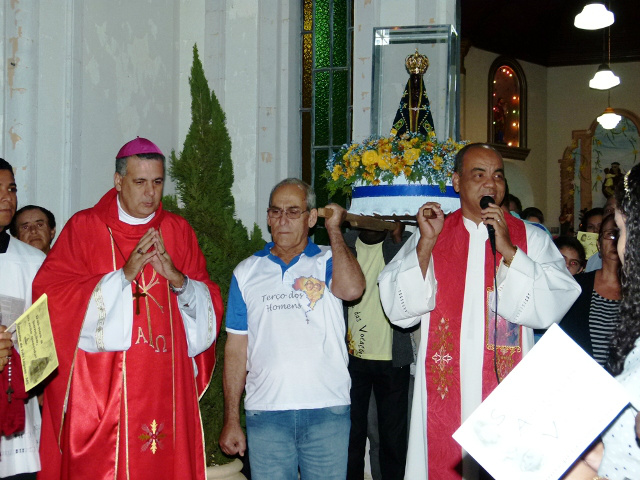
(392,336)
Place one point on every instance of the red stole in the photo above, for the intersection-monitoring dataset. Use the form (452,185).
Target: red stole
(133,414)
(442,362)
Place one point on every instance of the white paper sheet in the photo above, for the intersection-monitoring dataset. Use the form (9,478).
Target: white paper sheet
(544,414)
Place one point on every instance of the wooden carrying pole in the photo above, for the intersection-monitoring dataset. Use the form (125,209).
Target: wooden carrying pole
(361,221)
(377,224)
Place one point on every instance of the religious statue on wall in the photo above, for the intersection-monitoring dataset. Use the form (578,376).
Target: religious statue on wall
(612,176)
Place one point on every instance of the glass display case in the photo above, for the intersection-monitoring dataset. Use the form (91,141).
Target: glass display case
(391,46)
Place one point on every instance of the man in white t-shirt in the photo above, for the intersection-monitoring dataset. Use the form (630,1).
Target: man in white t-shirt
(285,344)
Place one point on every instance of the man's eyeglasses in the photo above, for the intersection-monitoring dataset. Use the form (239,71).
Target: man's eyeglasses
(292,213)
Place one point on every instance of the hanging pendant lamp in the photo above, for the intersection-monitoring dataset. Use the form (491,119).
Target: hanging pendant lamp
(593,17)
(604,79)
(609,119)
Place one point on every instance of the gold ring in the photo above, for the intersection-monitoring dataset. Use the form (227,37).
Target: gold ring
(140,251)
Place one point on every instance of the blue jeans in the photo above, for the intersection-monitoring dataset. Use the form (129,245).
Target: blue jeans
(316,440)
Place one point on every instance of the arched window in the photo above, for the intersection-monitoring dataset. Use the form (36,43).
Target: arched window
(507,115)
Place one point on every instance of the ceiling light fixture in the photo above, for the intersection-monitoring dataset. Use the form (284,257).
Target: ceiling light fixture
(604,79)
(593,17)
(609,119)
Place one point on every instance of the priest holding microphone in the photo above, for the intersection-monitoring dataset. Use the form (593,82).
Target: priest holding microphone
(445,277)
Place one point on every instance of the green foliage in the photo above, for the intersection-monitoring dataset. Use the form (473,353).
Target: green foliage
(203,173)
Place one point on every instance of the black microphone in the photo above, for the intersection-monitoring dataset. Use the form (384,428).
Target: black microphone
(484,203)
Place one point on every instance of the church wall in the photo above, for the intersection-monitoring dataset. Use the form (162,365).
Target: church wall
(527,179)
(253,65)
(88,76)
(572,105)
(91,75)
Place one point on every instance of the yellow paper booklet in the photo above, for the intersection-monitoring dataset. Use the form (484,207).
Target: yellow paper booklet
(35,343)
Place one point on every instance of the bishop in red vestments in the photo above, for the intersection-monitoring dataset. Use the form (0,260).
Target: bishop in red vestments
(134,317)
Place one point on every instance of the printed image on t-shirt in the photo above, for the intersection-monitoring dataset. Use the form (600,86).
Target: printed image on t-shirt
(312,288)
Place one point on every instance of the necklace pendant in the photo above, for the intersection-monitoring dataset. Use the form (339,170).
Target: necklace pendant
(137,296)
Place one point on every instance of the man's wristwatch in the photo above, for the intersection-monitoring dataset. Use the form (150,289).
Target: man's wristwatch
(181,290)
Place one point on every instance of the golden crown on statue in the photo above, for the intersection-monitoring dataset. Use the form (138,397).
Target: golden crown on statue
(417,63)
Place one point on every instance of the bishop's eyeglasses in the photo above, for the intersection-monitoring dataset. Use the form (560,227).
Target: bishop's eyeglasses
(292,213)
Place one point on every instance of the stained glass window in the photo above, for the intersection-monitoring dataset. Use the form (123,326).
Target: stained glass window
(326,106)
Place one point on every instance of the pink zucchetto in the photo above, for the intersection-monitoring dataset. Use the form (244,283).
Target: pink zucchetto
(137,146)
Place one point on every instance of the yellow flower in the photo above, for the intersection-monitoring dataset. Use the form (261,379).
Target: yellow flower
(376,182)
(367,176)
(384,161)
(411,155)
(384,146)
(407,171)
(437,162)
(337,172)
(370,157)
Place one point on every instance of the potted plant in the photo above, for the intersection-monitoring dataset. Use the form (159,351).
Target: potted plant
(203,173)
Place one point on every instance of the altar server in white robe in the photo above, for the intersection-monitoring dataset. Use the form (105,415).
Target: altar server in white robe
(444,278)
(20,419)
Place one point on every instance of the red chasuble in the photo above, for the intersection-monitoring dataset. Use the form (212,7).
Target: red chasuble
(131,414)
(442,362)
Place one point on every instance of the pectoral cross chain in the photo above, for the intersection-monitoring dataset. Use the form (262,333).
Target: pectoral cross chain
(137,296)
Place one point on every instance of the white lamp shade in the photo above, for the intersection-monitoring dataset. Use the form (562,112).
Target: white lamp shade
(604,79)
(609,119)
(593,17)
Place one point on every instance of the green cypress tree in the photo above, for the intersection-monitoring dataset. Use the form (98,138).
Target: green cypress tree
(203,173)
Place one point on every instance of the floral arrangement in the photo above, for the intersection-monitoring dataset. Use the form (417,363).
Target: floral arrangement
(378,160)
